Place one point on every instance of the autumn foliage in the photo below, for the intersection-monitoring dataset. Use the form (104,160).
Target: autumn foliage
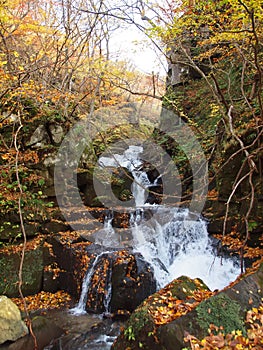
(236,340)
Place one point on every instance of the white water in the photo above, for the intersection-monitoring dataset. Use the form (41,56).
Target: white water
(175,245)
(79,309)
(107,237)
(130,159)
(173,241)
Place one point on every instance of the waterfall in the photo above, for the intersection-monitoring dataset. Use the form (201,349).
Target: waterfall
(80,308)
(173,241)
(130,159)
(107,237)
(108,292)
(176,244)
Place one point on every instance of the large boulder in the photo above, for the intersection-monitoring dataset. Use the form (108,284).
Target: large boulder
(45,332)
(132,281)
(151,327)
(140,331)
(32,269)
(11,325)
(119,279)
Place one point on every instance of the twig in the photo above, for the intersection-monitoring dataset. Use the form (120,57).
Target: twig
(252,168)
(20,272)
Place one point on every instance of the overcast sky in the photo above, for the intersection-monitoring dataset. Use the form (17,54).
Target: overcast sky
(132,45)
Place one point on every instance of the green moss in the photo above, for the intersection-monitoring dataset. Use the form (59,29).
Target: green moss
(32,272)
(184,286)
(220,311)
(139,319)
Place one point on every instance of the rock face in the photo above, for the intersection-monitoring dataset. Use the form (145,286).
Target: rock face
(227,308)
(59,261)
(123,274)
(32,271)
(141,328)
(45,332)
(11,325)
(132,281)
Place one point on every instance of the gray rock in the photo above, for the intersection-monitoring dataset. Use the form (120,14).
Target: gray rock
(11,325)
(57,133)
(39,138)
(45,332)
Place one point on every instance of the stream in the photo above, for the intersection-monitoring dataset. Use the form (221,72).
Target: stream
(172,240)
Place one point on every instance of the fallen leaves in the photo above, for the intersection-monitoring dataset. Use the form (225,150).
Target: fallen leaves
(235,244)
(165,308)
(235,340)
(170,310)
(44,300)
(32,244)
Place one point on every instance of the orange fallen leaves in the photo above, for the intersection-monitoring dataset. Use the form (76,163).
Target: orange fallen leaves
(166,308)
(236,340)
(44,300)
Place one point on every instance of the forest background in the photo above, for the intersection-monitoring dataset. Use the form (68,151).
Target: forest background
(56,67)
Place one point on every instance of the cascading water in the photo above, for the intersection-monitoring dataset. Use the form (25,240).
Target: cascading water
(176,244)
(173,241)
(131,160)
(79,309)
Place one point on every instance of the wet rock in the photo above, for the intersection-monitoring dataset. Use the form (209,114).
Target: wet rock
(11,325)
(120,281)
(123,274)
(132,281)
(140,331)
(227,308)
(45,331)
(82,331)
(71,261)
(155,195)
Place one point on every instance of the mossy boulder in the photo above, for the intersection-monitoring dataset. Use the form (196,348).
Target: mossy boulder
(11,325)
(141,328)
(220,310)
(32,270)
(226,309)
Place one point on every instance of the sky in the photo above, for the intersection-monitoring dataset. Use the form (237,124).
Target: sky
(132,45)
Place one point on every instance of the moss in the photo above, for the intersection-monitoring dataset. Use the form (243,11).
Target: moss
(139,319)
(184,286)
(32,272)
(220,311)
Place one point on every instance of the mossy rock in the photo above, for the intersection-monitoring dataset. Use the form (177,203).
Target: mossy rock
(138,333)
(220,311)
(11,231)
(227,310)
(32,271)
(183,287)
(141,330)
